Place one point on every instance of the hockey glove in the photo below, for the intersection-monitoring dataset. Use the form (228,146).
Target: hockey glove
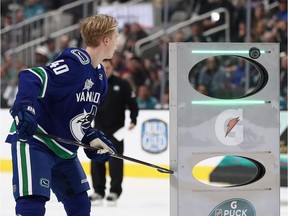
(25,119)
(103,147)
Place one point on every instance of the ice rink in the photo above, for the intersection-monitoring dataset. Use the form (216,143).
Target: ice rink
(141,197)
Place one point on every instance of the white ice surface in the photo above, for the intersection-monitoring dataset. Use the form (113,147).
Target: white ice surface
(141,197)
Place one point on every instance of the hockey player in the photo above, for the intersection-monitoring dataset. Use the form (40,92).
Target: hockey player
(61,99)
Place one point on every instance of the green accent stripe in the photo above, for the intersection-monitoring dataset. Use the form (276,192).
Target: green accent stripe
(41,73)
(12,128)
(54,146)
(24,169)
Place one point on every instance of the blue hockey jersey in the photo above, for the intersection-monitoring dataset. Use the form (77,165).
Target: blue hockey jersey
(66,95)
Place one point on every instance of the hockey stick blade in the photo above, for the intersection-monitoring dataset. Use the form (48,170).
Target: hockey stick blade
(122,157)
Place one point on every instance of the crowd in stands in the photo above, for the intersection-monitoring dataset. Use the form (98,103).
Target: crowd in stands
(145,73)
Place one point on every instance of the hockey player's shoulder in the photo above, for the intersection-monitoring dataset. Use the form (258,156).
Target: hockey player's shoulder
(76,54)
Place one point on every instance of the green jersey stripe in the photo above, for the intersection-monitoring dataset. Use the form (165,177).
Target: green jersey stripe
(58,149)
(23,169)
(12,128)
(41,73)
(54,146)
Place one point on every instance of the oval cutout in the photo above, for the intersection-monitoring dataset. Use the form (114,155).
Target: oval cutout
(223,77)
(228,171)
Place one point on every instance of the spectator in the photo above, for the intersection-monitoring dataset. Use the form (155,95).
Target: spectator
(153,81)
(258,31)
(138,74)
(8,71)
(281,13)
(144,98)
(241,33)
(203,6)
(64,42)
(196,33)
(136,33)
(268,37)
(178,36)
(32,8)
(280,32)
(119,65)
(158,57)
(19,15)
(9,80)
(6,20)
(165,100)
(202,89)
(213,77)
(7,16)
(122,37)
(41,55)
(51,46)
(237,74)
(259,14)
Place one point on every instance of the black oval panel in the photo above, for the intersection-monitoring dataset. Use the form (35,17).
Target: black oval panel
(224,77)
(228,171)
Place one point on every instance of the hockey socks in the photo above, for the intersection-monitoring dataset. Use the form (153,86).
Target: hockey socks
(77,205)
(30,206)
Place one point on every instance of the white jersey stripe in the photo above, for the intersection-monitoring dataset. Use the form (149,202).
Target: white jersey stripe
(19,166)
(28,165)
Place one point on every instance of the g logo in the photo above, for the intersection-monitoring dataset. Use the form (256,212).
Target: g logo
(227,128)
(234,204)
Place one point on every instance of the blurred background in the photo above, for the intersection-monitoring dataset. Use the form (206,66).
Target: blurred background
(34,32)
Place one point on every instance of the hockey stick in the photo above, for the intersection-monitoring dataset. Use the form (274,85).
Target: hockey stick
(123,157)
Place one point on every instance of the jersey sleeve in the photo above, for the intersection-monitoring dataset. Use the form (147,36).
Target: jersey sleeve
(31,85)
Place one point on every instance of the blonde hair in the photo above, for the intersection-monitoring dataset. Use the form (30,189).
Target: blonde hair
(94,28)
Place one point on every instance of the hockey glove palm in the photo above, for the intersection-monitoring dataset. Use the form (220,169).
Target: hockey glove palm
(25,119)
(103,147)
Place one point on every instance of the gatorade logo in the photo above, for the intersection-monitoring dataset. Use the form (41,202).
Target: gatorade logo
(234,207)
(229,128)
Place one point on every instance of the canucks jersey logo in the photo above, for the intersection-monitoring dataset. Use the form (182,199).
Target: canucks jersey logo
(83,58)
(81,122)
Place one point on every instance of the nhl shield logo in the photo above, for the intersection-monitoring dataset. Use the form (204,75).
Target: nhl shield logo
(154,136)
